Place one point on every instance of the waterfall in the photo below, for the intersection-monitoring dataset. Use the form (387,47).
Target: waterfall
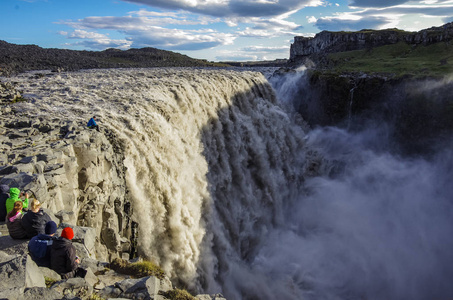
(233,194)
(351,99)
(209,156)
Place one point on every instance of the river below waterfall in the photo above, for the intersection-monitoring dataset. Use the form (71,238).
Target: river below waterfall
(234,193)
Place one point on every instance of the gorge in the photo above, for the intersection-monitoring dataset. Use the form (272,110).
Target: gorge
(215,175)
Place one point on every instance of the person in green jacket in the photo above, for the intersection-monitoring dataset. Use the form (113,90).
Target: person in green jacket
(14,195)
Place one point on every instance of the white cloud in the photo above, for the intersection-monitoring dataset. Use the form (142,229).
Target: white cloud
(146,13)
(144,32)
(268,27)
(82,34)
(163,30)
(266,49)
(245,56)
(94,40)
(196,24)
(126,22)
(403,16)
(228,8)
(102,44)
(253,53)
(230,56)
(177,39)
(311,19)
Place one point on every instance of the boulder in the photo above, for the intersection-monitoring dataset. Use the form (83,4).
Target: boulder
(19,180)
(91,278)
(66,217)
(20,272)
(93,264)
(40,293)
(109,278)
(165,284)
(49,273)
(143,288)
(26,181)
(74,287)
(5,256)
(15,293)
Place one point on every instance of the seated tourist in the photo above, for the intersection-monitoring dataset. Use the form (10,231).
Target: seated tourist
(14,222)
(40,245)
(14,195)
(35,219)
(63,259)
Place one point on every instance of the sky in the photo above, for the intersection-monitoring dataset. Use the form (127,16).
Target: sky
(215,30)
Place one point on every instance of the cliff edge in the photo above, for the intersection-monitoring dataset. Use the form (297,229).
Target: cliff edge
(331,42)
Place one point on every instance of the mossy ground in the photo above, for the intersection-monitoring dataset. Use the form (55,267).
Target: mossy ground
(178,294)
(137,269)
(49,281)
(399,59)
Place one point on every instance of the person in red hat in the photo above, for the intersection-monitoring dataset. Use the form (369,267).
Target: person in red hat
(63,259)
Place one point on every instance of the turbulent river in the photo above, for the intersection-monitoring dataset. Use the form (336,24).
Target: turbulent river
(233,193)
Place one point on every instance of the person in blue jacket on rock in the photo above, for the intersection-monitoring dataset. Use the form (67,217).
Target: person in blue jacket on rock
(92,123)
(40,245)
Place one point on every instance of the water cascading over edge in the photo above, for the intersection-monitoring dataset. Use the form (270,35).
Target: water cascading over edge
(209,156)
(211,165)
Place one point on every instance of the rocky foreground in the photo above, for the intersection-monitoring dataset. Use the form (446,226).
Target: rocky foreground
(21,278)
(78,175)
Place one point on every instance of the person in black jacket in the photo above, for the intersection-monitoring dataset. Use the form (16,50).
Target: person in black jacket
(40,245)
(35,219)
(4,189)
(63,259)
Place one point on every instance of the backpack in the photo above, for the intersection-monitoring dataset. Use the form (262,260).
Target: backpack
(38,248)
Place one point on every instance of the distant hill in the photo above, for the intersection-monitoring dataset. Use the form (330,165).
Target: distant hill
(19,58)
(264,63)
(428,52)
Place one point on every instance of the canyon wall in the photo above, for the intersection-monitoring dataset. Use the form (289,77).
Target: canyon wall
(329,42)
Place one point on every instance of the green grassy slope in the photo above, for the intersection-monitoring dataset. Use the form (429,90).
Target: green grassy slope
(398,59)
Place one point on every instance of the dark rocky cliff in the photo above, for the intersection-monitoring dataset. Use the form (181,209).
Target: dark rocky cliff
(329,42)
(386,77)
(415,113)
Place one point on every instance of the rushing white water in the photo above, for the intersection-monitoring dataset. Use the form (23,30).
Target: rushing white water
(233,196)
